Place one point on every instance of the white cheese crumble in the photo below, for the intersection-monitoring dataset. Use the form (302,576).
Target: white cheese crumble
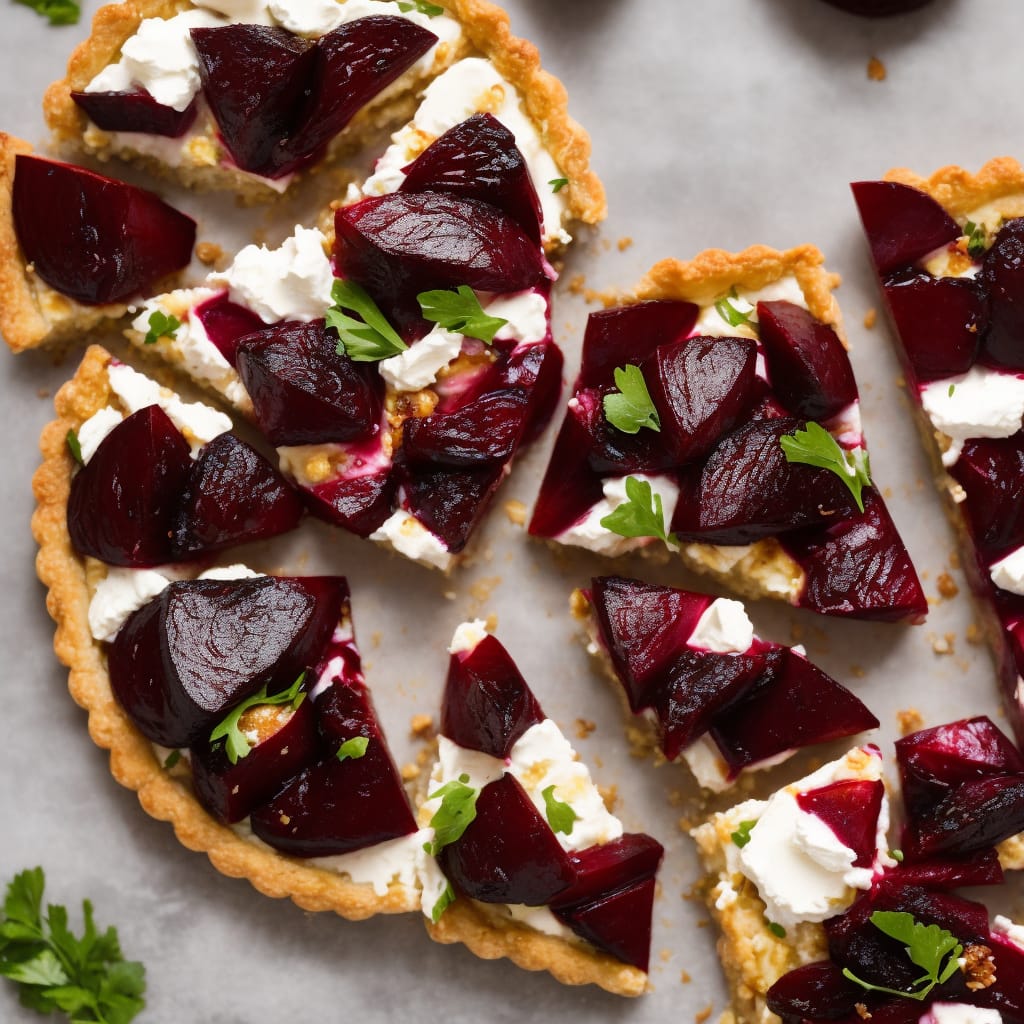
(93,432)
(467,636)
(418,366)
(711,324)
(710,769)
(409,537)
(959,1013)
(1008,572)
(724,627)
(382,865)
(526,313)
(1009,930)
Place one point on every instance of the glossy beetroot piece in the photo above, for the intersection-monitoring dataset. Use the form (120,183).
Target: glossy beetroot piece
(941,321)
(815,991)
(450,502)
(991,471)
(92,238)
(479,159)
(748,490)
(226,323)
(702,389)
(538,369)
(611,451)
(359,504)
(487,705)
(902,223)
(399,245)
(632,858)
(808,367)
(181,662)
(508,854)
(794,705)
(878,8)
(303,391)
(980,868)
(122,505)
(134,112)
(643,627)
(851,810)
(288,742)
(1002,276)
(859,568)
(233,495)
(629,334)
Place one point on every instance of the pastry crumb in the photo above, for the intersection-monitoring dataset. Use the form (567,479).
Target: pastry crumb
(491,623)
(610,796)
(577,283)
(515,512)
(410,772)
(909,720)
(945,644)
(876,70)
(375,638)
(421,725)
(482,589)
(684,977)
(584,727)
(857,671)
(42,393)
(666,955)
(974,635)
(954,559)
(209,253)
(702,1015)
(624,243)
(947,585)
(871,318)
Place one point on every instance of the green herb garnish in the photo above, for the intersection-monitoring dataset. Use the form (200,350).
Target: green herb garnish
(630,409)
(952,388)
(235,741)
(430,10)
(446,899)
(742,835)
(354,748)
(161,326)
(929,947)
(897,855)
(75,447)
(641,515)
(454,816)
(557,184)
(172,759)
(460,312)
(815,446)
(60,12)
(733,316)
(369,339)
(561,817)
(976,237)
(777,930)
(86,978)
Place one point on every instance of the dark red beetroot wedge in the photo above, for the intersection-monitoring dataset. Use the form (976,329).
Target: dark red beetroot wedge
(859,568)
(254,79)
(748,490)
(508,854)
(702,389)
(1007,994)
(399,245)
(991,471)
(632,858)
(135,111)
(538,369)
(482,432)
(226,323)
(287,742)
(302,391)
(232,495)
(629,334)
(878,8)
(354,62)
(619,923)
(851,810)
(487,705)
(359,504)
(807,363)
(941,321)
(794,705)
(181,662)
(696,688)
(643,627)
(92,238)
(122,505)
(479,159)
(980,868)
(817,991)
(610,450)
(902,223)
(1002,276)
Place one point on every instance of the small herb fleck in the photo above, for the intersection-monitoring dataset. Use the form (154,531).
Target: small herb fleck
(731,314)
(561,817)
(236,742)
(446,899)
(354,748)
(557,184)
(161,326)
(777,930)
(172,759)
(952,388)
(430,10)
(75,447)
(742,834)
(976,237)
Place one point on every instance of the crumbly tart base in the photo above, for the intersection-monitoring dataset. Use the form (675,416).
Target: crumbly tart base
(490,936)
(163,794)
(487,30)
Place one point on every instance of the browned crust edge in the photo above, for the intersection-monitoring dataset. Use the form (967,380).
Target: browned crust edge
(959,191)
(132,760)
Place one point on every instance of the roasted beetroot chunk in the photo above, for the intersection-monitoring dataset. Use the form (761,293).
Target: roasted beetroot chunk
(981,868)
(360,504)
(135,111)
(850,809)
(633,857)
(975,816)
(479,159)
(92,238)
(181,662)
(226,323)
(878,8)
(123,504)
(232,495)
(991,471)
(816,991)
(1002,276)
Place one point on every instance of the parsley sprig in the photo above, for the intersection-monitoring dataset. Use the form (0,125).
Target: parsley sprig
(929,947)
(430,10)
(365,340)
(732,315)
(742,834)
(86,978)
(561,817)
(460,312)
(445,900)
(161,325)
(976,238)
(630,408)
(59,12)
(815,446)
(75,447)
(454,816)
(235,741)
(557,184)
(354,748)
(640,515)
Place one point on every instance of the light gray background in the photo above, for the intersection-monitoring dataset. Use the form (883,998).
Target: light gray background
(715,123)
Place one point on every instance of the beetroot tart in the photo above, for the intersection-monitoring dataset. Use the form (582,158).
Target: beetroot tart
(524,859)
(717,414)
(948,253)
(717,696)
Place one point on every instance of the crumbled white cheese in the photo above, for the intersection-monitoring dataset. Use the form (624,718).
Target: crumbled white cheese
(454,762)
(1008,572)
(1009,930)
(724,627)
(540,919)
(381,865)
(418,366)
(291,282)
(230,572)
(93,432)
(467,636)
(409,537)
(526,313)
(120,593)
(248,12)
(959,1013)
(711,324)
(983,403)
(711,770)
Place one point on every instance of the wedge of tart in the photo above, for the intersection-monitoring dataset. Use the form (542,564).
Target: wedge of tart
(705,690)
(232,703)
(716,413)
(524,860)
(948,255)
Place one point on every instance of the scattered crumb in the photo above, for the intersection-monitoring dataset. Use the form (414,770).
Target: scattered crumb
(887,494)
(515,511)
(421,725)
(703,923)
(605,244)
(491,623)
(945,644)
(975,635)
(610,796)
(876,70)
(862,1011)
(796,632)
(410,772)
(584,727)
(483,588)
(641,741)
(901,382)
(43,393)
(375,638)
(702,1015)
(947,585)
(624,243)
(685,978)
(871,318)
(666,955)
(209,253)
(954,559)
(857,671)
(577,283)
(909,720)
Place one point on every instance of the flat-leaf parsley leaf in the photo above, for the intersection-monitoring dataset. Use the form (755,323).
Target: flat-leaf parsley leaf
(630,409)
(561,817)
(640,515)
(236,742)
(732,315)
(59,12)
(460,312)
(815,446)
(430,10)
(368,339)
(354,748)
(161,325)
(454,816)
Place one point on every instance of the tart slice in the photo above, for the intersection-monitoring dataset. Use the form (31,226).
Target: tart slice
(717,414)
(715,695)
(948,254)
(524,860)
(233,703)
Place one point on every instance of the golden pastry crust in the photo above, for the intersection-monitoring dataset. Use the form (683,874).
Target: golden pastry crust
(960,193)
(163,794)
(487,28)
(489,936)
